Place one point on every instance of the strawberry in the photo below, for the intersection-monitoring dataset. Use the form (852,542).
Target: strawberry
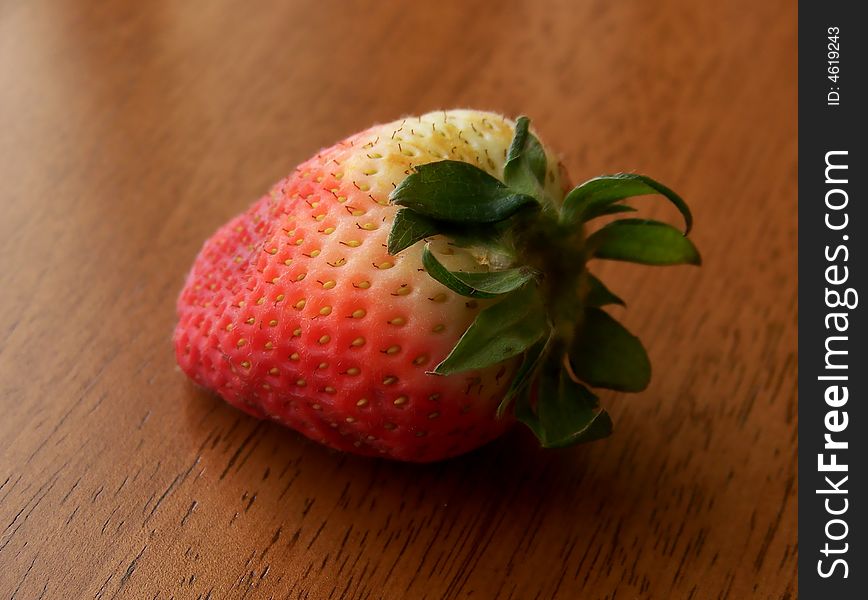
(412,290)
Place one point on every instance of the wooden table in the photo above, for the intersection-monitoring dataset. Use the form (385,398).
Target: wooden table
(130,130)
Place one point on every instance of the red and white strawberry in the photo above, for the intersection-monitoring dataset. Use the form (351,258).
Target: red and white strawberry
(409,290)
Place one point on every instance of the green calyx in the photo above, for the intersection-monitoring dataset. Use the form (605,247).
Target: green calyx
(548,308)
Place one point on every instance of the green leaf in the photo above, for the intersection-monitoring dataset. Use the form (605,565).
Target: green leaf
(501,331)
(458,192)
(533,359)
(476,285)
(611,209)
(525,168)
(589,199)
(466,236)
(408,228)
(605,354)
(643,241)
(567,412)
(523,412)
(599,294)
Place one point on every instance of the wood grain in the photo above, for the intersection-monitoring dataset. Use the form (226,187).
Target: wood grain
(130,130)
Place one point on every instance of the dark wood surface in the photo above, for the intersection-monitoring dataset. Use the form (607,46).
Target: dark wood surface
(130,130)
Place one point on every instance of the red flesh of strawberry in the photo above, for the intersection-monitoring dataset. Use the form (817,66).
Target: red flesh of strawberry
(295,311)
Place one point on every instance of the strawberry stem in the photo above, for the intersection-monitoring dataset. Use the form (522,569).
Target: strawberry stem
(548,311)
